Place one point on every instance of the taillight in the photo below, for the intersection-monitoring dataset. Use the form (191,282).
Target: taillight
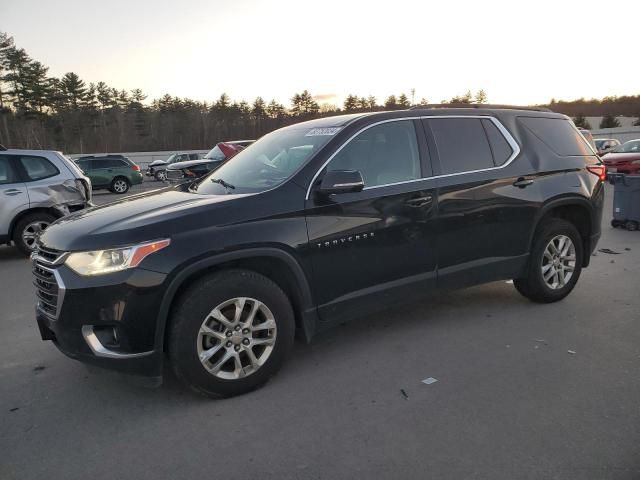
(135,168)
(599,170)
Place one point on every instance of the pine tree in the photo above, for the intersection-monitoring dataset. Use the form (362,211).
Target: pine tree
(303,104)
(73,90)
(350,103)
(609,121)
(275,109)
(581,122)
(403,101)
(391,103)
(481,97)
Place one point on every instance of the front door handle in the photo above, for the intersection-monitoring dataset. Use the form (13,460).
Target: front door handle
(522,182)
(419,201)
(11,192)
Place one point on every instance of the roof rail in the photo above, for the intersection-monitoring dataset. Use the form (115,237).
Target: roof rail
(2,148)
(477,105)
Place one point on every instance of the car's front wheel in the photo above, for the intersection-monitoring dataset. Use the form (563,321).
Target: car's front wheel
(230,332)
(555,262)
(161,175)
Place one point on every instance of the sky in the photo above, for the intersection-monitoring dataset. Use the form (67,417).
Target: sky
(518,52)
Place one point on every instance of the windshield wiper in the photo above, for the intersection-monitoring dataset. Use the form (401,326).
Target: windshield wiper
(223,183)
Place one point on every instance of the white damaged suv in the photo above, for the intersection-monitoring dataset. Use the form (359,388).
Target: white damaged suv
(36,188)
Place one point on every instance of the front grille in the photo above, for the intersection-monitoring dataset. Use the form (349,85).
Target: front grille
(49,290)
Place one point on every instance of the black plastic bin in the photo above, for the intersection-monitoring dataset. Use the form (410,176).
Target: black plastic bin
(626,200)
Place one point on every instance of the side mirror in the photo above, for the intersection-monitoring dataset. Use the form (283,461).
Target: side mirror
(341,181)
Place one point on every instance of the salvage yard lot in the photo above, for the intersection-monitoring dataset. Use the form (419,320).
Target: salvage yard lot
(523,391)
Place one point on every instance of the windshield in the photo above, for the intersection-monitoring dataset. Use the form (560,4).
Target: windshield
(172,158)
(215,154)
(599,142)
(629,147)
(267,163)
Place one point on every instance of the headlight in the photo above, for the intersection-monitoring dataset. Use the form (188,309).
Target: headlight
(100,262)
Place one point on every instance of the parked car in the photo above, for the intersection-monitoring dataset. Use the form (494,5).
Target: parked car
(604,145)
(189,171)
(115,173)
(36,188)
(157,168)
(624,158)
(314,224)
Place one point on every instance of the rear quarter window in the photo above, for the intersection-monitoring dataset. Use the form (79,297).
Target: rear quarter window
(559,135)
(462,145)
(38,168)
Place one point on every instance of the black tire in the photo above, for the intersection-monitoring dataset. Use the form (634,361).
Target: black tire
(194,306)
(631,225)
(615,223)
(533,285)
(27,222)
(160,175)
(120,185)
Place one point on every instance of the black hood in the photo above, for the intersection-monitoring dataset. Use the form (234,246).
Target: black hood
(136,219)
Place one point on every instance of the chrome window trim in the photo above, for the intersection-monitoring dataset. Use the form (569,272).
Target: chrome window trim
(505,133)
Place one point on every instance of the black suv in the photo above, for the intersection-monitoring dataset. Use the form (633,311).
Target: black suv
(313,224)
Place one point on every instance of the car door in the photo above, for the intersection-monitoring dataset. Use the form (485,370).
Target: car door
(487,200)
(370,248)
(98,173)
(14,197)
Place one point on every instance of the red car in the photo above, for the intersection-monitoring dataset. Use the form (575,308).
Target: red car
(624,158)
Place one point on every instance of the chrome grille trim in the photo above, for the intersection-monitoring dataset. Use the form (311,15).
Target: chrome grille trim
(50,288)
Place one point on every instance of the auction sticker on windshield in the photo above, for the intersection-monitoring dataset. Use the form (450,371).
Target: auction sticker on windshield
(317,132)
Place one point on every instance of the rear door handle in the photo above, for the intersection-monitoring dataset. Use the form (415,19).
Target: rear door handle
(522,182)
(11,192)
(420,201)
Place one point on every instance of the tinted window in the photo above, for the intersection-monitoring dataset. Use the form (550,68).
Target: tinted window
(109,163)
(193,156)
(558,134)
(8,174)
(38,168)
(499,146)
(85,165)
(462,144)
(386,153)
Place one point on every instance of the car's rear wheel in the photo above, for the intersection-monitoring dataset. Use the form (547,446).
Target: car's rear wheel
(28,229)
(230,332)
(161,175)
(120,185)
(555,262)
(631,225)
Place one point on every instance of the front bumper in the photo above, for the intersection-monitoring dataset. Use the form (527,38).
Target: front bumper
(109,321)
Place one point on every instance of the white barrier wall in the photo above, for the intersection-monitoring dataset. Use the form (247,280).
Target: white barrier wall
(142,158)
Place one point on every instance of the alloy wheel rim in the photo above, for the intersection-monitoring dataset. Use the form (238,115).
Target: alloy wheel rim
(31,232)
(558,262)
(120,186)
(236,338)
(163,176)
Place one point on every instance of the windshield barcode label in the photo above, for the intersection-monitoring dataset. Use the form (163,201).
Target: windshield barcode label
(316,132)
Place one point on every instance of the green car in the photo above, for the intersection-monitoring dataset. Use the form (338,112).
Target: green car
(113,172)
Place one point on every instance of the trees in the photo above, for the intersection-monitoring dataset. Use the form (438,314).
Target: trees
(609,121)
(303,104)
(350,103)
(581,122)
(403,101)
(391,103)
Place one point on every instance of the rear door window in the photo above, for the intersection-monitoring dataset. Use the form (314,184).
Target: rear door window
(559,135)
(462,144)
(38,168)
(8,173)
